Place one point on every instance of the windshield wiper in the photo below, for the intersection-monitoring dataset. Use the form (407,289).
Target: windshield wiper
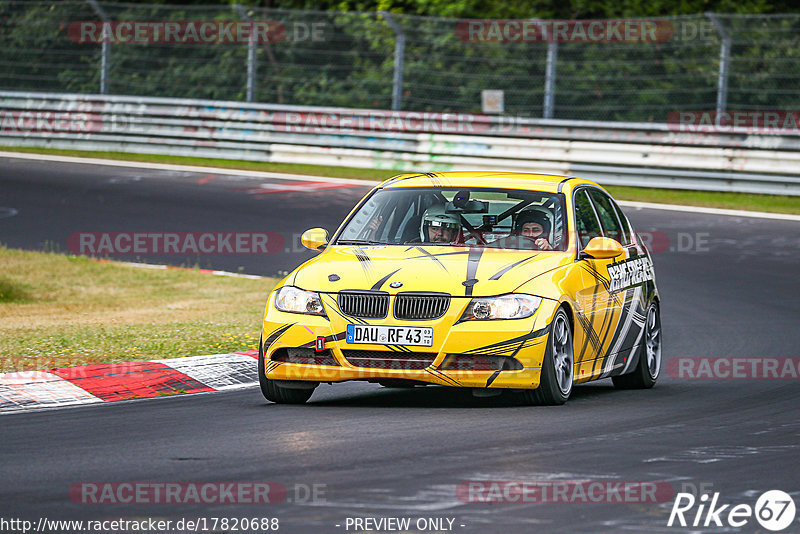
(431,243)
(358,242)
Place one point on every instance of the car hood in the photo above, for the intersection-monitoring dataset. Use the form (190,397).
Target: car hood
(459,271)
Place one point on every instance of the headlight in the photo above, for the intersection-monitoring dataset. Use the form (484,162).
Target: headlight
(511,306)
(295,300)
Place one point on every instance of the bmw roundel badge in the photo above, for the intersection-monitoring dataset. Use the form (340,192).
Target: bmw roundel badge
(395,285)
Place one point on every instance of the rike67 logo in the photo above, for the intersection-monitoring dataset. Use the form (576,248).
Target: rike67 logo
(774,510)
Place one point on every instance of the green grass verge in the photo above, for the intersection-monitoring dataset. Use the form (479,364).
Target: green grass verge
(710,199)
(62,310)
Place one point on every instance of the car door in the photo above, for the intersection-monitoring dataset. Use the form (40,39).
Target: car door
(625,284)
(600,308)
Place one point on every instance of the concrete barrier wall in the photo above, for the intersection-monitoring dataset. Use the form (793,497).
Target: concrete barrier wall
(639,154)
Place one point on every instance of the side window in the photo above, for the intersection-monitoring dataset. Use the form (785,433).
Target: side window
(586,221)
(357,229)
(608,216)
(626,225)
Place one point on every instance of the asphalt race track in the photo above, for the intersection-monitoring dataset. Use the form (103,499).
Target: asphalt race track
(729,288)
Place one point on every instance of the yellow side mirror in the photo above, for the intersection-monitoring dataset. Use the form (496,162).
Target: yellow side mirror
(601,248)
(315,239)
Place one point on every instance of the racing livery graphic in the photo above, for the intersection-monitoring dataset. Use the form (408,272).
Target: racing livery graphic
(488,281)
(630,273)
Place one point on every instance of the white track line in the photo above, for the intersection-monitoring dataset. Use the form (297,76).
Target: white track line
(204,271)
(709,211)
(187,168)
(366,183)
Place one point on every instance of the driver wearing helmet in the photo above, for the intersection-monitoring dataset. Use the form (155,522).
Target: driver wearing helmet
(534,225)
(439,226)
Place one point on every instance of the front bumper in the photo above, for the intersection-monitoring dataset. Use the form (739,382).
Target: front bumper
(522,341)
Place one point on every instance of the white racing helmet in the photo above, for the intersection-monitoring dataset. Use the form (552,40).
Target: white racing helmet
(436,216)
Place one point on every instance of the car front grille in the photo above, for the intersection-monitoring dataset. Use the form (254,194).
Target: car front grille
(369,305)
(477,362)
(385,359)
(304,356)
(417,306)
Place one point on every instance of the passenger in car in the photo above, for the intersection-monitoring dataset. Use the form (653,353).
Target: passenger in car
(439,226)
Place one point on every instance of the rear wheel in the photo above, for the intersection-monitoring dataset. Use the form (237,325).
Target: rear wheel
(276,393)
(555,385)
(649,366)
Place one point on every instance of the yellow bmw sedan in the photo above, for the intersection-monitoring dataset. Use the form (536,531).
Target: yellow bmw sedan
(481,280)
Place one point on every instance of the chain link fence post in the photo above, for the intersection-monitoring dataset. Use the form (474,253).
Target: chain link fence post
(724,62)
(399,58)
(106,46)
(251,54)
(550,80)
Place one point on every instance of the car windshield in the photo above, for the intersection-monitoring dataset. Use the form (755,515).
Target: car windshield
(453,216)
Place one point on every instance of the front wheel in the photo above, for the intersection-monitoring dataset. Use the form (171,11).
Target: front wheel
(274,392)
(649,366)
(558,366)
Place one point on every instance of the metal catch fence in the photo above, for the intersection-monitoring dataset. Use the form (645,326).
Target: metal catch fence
(627,70)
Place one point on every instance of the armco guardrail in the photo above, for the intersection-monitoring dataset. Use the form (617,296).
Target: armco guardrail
(640,154)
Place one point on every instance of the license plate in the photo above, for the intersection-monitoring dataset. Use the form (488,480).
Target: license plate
(419,336)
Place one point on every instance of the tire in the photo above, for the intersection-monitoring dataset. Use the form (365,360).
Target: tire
(648,367)
(272,391)
(558,366)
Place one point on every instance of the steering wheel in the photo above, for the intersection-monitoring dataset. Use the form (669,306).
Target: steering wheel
(525,242)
